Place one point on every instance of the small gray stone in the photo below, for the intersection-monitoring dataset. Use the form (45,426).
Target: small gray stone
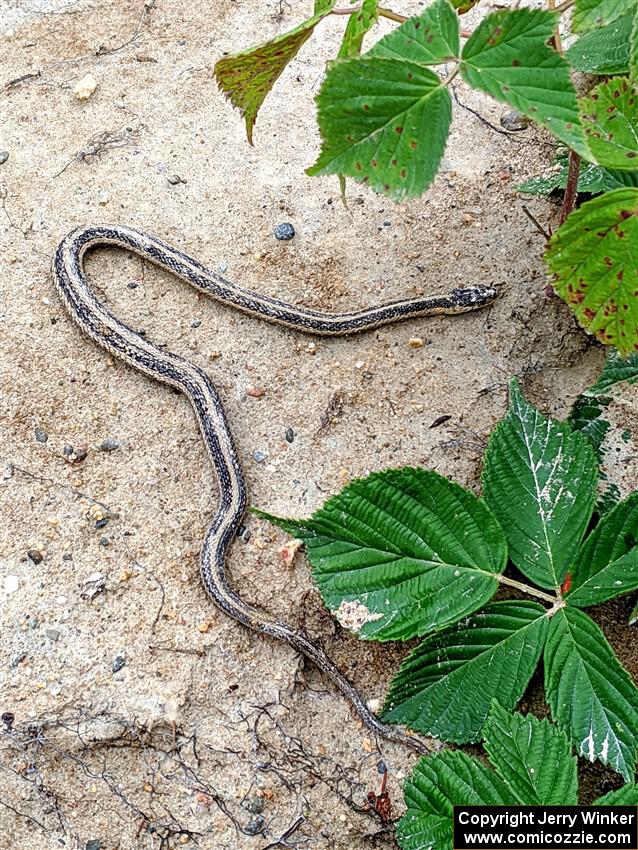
(196,324)
(33,622)
(259,457)
(222,268)
(4,156)
(132,285)
(41,435)
(101,523)
(109,445)
(284,231)
(255,826)
(118,662)
(18,659)
(290,435)
(243,533)
(514,121)
(34,556)
(53,634)
(93,844)
(104,541)
(175,179)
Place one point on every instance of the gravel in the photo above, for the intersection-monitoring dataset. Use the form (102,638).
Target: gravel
(284,231)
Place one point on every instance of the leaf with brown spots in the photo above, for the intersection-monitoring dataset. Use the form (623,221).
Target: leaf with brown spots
(604,50)
(539,86)
(246,78)
(589,14)
(594,256)
(359,23)
(610,120)
(430,39)
(384,122)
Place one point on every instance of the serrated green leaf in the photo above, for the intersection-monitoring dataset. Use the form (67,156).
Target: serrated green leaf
(586,418)
(402,552)
(609,116)
(384,118)
(359,23)
(596,13)
(434,787)
(592,180)
(246,78)
(429,39)
(590,694)
(539,479)
(605,50)
(616,370)
(384,122)
(607,563)
(507,56)
(625,796)
(593,256)
(532,757)
(633,51)
(446,685)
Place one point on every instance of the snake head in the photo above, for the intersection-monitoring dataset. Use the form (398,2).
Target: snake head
(471,297)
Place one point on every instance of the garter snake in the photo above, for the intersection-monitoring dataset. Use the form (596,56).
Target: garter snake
(98,322)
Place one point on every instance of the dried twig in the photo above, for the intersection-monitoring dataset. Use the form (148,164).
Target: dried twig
(105,141)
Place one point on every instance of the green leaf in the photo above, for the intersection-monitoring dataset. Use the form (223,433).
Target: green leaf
(247,77)
(539,479)
(359,23)
(430,39)
(633,51)
(596,13)
(322,7)
(607,563)
(593,255)
(384,122)
(625,796)
(616,370)
(533,758)
(605,50)
(384,118)
(610,119)
(446,685)
(592,179)
(507,56)
(402,552)
(434,787)
(590,695)
(586,417)
(463,6)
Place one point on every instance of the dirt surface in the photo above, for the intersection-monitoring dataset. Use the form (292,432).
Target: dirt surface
(147,718)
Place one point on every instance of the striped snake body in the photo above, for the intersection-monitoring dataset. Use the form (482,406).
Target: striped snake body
(98,322)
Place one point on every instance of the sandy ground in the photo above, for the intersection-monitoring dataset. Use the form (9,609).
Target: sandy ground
(206,732)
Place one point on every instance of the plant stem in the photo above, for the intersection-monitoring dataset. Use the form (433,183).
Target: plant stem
(563,7)
(393,16)
(526,588)
(451,75)
(386,13)
(555,39)
(571,189)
